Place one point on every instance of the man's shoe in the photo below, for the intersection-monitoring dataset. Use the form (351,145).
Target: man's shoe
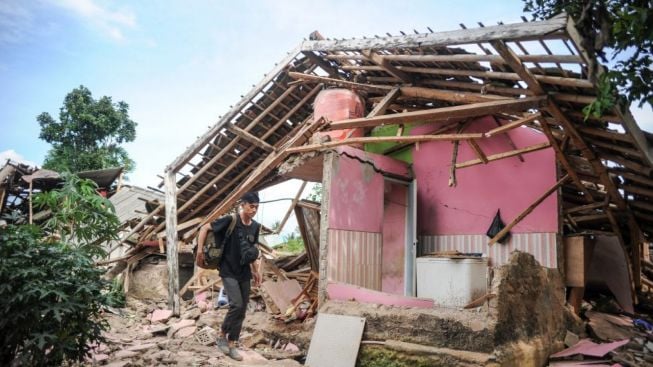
(233,353)
(223,345)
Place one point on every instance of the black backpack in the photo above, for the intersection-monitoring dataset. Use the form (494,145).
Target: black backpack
(214,245)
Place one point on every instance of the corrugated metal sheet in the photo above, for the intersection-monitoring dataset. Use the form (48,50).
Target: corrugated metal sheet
(541,245)
(127,202)
(355,258)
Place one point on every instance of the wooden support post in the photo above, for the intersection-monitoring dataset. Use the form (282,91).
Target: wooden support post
(528,210)
(292,207)
(171,242)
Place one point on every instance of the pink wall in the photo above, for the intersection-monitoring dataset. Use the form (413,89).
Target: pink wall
(394,238)
(507,184)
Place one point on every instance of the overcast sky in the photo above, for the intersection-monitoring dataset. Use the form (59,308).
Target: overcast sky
(181,64)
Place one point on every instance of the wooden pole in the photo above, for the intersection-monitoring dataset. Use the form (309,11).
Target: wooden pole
(31,211)
(171,241)
(292,207)
(528,210)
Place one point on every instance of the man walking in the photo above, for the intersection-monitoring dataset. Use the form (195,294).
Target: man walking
(237,267)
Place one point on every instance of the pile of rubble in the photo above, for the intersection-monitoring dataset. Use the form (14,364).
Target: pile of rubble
(146,333)
(608,337)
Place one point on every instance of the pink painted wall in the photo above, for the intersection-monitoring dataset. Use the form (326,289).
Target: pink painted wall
(394,238)
(507,184)
(356,196)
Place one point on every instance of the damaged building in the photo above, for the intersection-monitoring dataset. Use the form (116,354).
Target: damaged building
(423,143)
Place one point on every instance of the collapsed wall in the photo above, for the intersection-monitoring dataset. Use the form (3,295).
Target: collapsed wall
(520,326)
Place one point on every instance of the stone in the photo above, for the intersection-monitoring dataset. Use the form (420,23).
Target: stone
(571,339)
(194,314)
(156,329)
(185,332)
(160,315)
(290,347)
(117,364)
(141,347)
(99,357)
(180,325)
(122,354)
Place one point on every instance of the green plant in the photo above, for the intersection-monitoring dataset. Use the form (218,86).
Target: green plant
(316,193)
(79,215)
(606,98)
(115,295)
(50,299)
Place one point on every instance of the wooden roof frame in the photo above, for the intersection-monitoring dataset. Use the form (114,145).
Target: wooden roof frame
(429,76)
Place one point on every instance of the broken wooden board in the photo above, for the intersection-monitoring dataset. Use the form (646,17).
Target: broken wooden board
(282,293)
(335,341)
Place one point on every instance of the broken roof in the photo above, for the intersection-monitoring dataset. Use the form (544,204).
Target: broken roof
(503,70)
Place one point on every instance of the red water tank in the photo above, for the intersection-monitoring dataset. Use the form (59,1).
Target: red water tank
(337,105)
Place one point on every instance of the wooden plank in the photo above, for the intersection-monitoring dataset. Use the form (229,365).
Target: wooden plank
(303,134)
(518,31)
(445,113)
(387,67)
(528,210)
(172,253)
(512,153)
(247,136)
(381,107)
(495,59)
(383,139)
(448,96)
(547,79)
(477,149)
(213,131)
(292,207)
(562,158)
(512,125)
(605,133)
(487,87)
(339,83)
(516,65)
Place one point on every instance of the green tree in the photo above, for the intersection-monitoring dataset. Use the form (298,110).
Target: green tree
(88,134)
(79,216)
(615,31)
(316,193)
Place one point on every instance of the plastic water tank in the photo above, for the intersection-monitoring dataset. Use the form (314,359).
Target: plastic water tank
(451,282)
(337,105)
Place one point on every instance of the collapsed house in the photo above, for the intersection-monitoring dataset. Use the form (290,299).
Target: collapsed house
(442,133)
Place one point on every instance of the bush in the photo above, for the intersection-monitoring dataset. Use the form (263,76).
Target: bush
(50,299)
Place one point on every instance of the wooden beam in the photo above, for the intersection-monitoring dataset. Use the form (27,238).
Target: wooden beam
(251,138)
(172,253)
(382,139)
(324,65)
(547,79)
(381,107)
(587,207)
(292,207)
(445,113)
(518,31)
(387,67)
(213,131)
(528,210)
(339,83)
(448,95)
(513,125)
(477,149)
(562,158)
(487,87)
(512,153)
(495,59)
(516,65)
(302,135)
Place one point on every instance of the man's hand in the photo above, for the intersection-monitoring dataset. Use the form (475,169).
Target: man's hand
(258,278)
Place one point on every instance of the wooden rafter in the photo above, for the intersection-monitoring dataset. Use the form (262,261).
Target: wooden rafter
(519,31)
(498,156)
(385,65)
(445,113)
(516,65)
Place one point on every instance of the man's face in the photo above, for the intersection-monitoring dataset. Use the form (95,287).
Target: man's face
(249,209)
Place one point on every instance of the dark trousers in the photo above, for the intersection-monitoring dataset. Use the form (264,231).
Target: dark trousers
(238,294)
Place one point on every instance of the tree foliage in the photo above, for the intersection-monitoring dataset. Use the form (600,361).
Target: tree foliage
(88,134)
(615,31)
(50,299)
(79,215)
